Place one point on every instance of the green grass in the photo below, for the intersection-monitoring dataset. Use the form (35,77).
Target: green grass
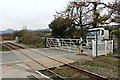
(49,74)
(65,72)
(68,72)
(3,48)
(104,65)
(39,45)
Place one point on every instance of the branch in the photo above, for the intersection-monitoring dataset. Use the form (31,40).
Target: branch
(87,24)
(105,5)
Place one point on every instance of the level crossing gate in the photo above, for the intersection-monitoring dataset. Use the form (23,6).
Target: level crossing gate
(103,47)
(63,44)
(73,45)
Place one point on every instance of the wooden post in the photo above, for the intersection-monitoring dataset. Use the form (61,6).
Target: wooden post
(106,51)
(93,48)
(80,50)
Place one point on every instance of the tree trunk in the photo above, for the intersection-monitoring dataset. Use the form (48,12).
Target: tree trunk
(95,16)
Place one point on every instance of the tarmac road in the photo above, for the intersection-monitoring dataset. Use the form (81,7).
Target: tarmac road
(8,57)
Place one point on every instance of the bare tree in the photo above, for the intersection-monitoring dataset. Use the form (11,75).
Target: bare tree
(116,12)
(86,15)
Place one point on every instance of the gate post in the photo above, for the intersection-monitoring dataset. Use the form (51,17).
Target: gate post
(106,51)
(96,43)
(80,50)
(93,48)
(58,41)
(46,42)
(112,47)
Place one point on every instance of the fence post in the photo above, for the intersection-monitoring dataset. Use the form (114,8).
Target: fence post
(93,48)
(81,46)
(80,51)
(70,42)
(58,41)
(112,47)
(45,42)
(106,51)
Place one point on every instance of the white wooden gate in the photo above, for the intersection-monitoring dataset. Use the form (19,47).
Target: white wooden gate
(63,44)
(72,45)
(103,47)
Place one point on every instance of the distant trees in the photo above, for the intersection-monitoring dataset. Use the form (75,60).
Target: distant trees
(19,33)
(7,37)
(82,15)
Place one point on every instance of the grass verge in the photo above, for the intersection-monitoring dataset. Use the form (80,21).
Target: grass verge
(3,48)
(104,65)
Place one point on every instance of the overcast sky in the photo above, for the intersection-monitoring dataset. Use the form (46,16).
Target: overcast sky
(35,14)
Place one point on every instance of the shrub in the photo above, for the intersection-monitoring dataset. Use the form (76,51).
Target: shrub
(116,33)
(32,39)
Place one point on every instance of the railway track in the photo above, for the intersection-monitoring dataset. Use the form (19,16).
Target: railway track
(17,47)
(57,76)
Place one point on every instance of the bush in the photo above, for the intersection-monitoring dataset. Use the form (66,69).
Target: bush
(116,33)
(32,39)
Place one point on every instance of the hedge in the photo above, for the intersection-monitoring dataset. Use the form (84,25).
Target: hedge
(116,33)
